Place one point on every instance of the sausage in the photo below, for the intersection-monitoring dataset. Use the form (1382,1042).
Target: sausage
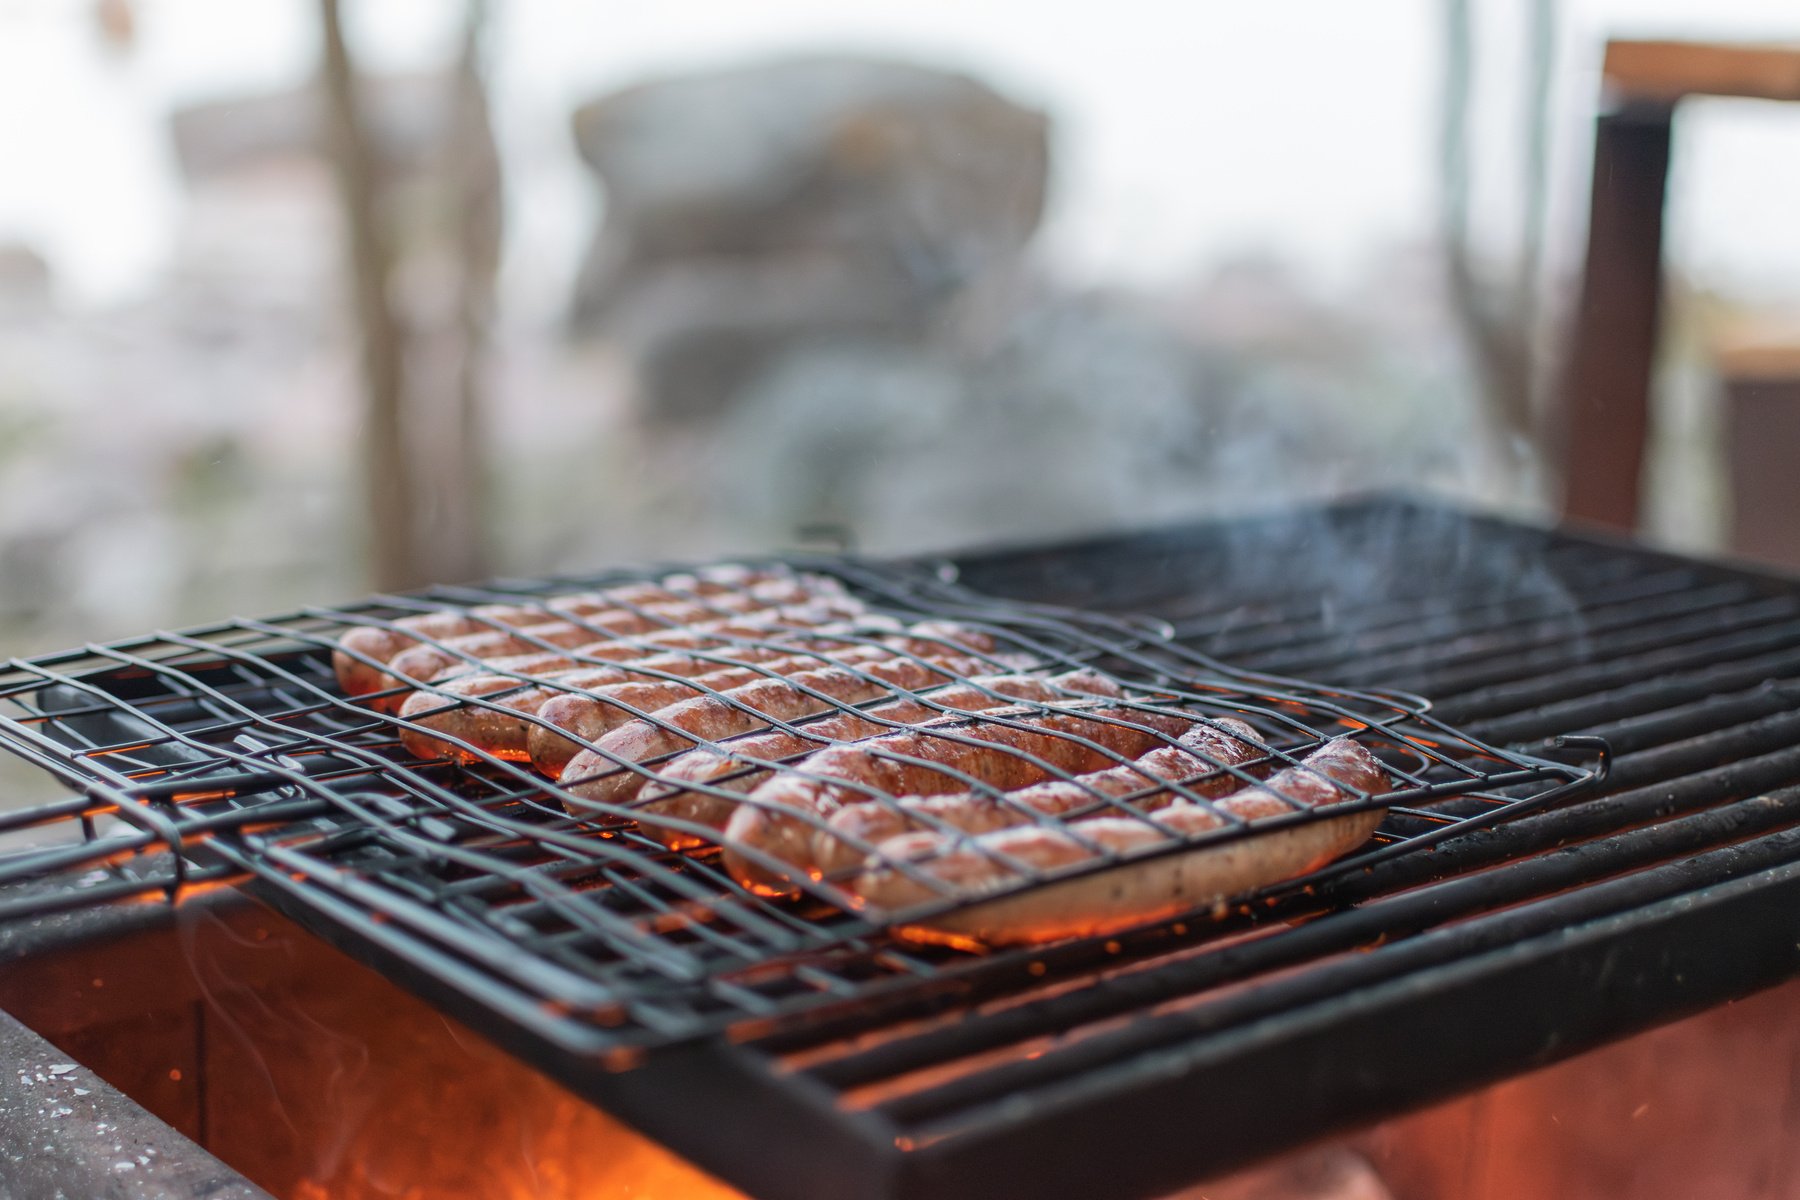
(634,637)
(505,731)
(359,678)
(741,764)
(776,827)
(753,707)
(776,586)
(424,661)
(735,771)
(684,642)
(923,639)
(570,722)
(1134,892)
(595,775)
(381,644)
(1194,761)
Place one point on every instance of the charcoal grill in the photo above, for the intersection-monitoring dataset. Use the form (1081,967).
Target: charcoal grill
(1504,921)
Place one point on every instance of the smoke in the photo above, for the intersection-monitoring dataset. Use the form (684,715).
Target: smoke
(1090,413)
(216,955)
(1098,415)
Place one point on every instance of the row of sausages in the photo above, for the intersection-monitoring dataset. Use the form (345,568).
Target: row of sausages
(767,712)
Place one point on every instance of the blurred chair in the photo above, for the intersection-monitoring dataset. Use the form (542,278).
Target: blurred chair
(1759,371)
(1606,404)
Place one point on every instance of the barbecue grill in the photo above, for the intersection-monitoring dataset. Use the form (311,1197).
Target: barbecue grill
(1592,831)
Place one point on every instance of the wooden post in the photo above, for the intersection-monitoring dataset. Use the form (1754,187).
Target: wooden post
(1606,391)
(472,177)
(1761,377)
(394,551)
(1607,403)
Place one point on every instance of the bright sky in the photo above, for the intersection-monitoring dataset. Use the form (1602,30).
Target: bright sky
(1186,134)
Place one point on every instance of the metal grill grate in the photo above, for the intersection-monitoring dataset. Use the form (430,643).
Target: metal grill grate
(234,747)
(1136,1064)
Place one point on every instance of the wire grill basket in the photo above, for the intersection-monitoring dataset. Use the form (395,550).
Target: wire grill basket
(230,754)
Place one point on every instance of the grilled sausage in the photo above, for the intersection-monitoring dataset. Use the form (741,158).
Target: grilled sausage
(742,763)
(754,642)
(1133,892)
(424,661)
(358,677)
(595,775)
(569,723)
(737,771)
(1194,762)
(777,826)
(505,730)
(712,642)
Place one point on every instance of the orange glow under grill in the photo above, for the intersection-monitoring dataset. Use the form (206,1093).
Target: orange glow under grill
(321,1081)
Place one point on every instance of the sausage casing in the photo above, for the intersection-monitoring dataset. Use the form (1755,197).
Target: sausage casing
(381,643)
(424,662)
(768,842)
(503,728)
(740,766)
(1135,891)
(1194,762)
(595,775)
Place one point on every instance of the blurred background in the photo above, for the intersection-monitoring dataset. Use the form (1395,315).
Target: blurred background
(304,298)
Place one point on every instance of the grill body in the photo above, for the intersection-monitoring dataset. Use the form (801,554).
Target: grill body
(1133,1065)
(1670,889)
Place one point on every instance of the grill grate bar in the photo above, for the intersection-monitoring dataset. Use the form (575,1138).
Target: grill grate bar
(1637,699)
(1531,662)
(1312,629)
(1389,921)
(1726,745)
(1084,1068)
(1628,735)
(1768,760)
(1551,686)
(1351,568)
(1547,623)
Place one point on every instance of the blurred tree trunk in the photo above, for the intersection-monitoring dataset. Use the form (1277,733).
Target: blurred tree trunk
(394,542)
(424,367)
(1500,321)
(473,178)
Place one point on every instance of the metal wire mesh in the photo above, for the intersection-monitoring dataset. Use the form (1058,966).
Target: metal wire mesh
(231,753)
